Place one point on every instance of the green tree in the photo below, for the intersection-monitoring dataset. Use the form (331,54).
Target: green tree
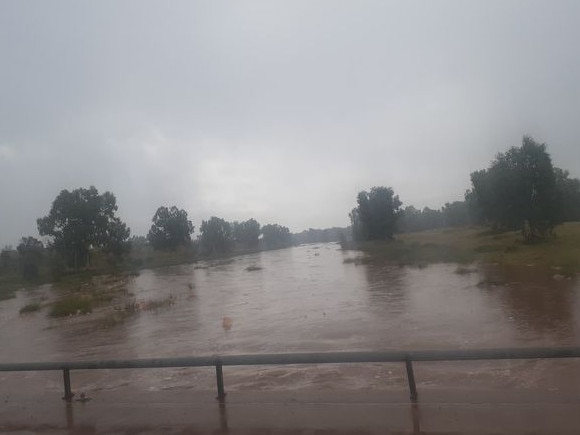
(30,252)
(518,191)
(568,195)
(275,236)
(376,215)
(247,233)
(6,263)
(171,228)
(80,220)
(216,236)
(456,214)
(474,209)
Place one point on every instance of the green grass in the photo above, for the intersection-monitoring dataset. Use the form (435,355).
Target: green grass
(467,245)
(71,305)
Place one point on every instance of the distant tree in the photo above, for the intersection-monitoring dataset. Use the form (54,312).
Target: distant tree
(456,214)
(568,195)
(432,218)
(474,209)
(5,259)
(171,228)
(30,252)
(216,236)
(376,215)
(138,241)
(247,233)
(412,219)
(276,237)
(518,191)
(80,220)
(313,235)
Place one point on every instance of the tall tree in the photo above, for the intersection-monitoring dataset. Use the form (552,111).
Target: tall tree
(247,233)
(276,236)
(456,214)
(568,195)
(30,252)
(216,236)
(171,228)
(518,191)
(376,215)
(80,220)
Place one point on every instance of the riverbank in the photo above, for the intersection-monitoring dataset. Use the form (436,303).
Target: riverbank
(468,245)
(139,258)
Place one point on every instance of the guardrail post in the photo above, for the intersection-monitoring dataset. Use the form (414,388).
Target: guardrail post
(219,373)
(68,394)
(411,379)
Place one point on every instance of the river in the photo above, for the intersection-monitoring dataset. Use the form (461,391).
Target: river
(306,298)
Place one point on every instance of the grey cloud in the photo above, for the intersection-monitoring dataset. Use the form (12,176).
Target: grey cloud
(276,110)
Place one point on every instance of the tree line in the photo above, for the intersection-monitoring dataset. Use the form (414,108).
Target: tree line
(521,191)
(83,221)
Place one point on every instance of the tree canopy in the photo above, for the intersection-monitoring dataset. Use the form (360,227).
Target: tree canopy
(247,233)
(216,236)
(519,191)
(568,195)
(80,220)
(30,251)
(376,215)
(171,228)
(276,236)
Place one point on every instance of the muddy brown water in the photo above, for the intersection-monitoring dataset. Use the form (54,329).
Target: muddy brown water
(303,299)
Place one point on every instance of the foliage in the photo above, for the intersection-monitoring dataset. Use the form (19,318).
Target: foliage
(275,236)
(326,235)
(568,195)
(30,308)
(30,252)
(412,219)
(171,228)
(80,220)
(456,214)
(376,215)
(518,191)
(216,236)
(70,305)
(474,209)
(247,233)
(7,261)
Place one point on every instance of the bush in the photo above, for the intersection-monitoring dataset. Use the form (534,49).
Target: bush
(30,308)
(70,305)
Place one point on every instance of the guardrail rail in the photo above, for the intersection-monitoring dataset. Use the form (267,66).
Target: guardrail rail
(407,357)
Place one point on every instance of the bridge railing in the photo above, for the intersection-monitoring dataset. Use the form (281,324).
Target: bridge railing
(219,361)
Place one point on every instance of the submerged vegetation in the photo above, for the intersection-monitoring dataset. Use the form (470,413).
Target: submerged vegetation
(30,308)
(72,304)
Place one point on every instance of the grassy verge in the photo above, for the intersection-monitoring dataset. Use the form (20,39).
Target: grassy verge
(467,245)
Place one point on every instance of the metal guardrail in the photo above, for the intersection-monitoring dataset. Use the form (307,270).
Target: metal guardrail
(408,357)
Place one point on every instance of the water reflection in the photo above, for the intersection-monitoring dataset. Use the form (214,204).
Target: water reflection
(540,305)
(386,289)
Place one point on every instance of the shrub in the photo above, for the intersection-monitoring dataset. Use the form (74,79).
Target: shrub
(72,304)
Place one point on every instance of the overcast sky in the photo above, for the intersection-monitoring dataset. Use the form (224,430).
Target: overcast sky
(281,111)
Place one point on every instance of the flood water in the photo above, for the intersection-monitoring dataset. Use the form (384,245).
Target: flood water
(307,298)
